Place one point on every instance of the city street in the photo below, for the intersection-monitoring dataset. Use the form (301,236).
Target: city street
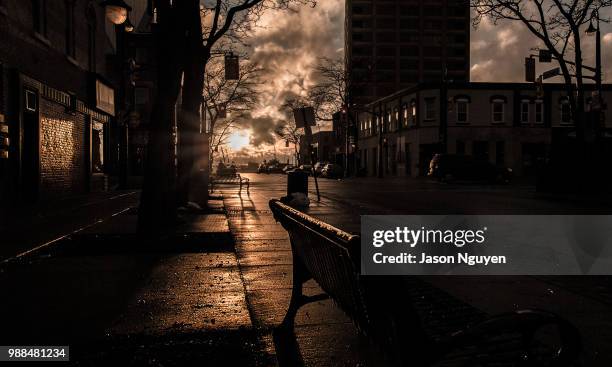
(112,296)
(264,256)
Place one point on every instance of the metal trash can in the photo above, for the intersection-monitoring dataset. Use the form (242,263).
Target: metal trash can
(297,181)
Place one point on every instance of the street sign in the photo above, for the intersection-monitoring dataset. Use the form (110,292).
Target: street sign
(304,116)
(232,67)
(551,73)
(545,56)
(530,69)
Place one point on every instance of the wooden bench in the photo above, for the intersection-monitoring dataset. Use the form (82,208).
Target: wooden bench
(235,179)
(411,321)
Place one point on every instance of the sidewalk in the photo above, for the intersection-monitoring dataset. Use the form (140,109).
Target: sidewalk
(116,300)
(28,227)
(325,335)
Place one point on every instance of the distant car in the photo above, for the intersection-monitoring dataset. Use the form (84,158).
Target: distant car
(447,167)
(332,171)
(275,168)
(288,168)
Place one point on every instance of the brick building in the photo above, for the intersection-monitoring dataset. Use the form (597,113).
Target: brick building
(57,98)
(505,123)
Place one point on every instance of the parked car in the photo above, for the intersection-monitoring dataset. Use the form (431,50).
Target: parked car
(446,167)
(332,171)
(318,167)
(275,168)
(288,168)
(263,168)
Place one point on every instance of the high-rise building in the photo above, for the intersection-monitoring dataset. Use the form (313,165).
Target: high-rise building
(395,44)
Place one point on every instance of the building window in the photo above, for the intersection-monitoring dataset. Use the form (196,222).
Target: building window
(566,112)
(462,111)
(430,108)
(525,111)
(39,16)
(405,114)
(539,112)
(413,112)
(497,107)
(91,38)
(70,37)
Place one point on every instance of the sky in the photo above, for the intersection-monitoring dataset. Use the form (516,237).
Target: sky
(288,44)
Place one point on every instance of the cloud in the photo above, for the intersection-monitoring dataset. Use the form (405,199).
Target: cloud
(288,45)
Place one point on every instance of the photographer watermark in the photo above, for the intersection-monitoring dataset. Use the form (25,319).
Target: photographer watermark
(486,245)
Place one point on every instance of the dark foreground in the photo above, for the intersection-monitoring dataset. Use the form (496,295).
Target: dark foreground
(214,293)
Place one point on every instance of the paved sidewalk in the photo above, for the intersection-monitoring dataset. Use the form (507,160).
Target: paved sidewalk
(119,300)
(325,335)
(32,226)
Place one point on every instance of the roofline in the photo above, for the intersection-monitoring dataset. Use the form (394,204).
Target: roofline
(480,86)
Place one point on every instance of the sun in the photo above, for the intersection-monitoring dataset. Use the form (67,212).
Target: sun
(239,139)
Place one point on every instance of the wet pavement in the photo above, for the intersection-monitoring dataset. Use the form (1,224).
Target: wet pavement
(326,337)
(264,257)
(213,292)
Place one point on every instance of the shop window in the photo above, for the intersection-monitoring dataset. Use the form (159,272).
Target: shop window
(97,147)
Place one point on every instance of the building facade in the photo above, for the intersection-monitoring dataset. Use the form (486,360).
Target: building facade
(57,99)
(394,44)
(508,124)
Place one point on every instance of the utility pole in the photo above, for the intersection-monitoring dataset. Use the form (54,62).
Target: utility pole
(444,113)
(379,121)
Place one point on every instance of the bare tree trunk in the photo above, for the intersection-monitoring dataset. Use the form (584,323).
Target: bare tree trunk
(158,199)
(193,154)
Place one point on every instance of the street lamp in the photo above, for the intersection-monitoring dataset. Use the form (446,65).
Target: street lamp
(129,27)
(116,10)
(590,30)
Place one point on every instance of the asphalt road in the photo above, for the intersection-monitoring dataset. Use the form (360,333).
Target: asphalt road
(395,195)
(584,300)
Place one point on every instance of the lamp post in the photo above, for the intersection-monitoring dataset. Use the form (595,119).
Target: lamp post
(117,13)
(598,75)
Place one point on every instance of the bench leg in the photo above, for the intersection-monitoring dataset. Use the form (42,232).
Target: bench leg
(300,276)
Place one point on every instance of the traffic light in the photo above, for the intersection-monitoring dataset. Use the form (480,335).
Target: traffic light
(545,56)
(530,69)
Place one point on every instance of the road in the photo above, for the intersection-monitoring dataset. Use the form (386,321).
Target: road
(394,195)
(585,301)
